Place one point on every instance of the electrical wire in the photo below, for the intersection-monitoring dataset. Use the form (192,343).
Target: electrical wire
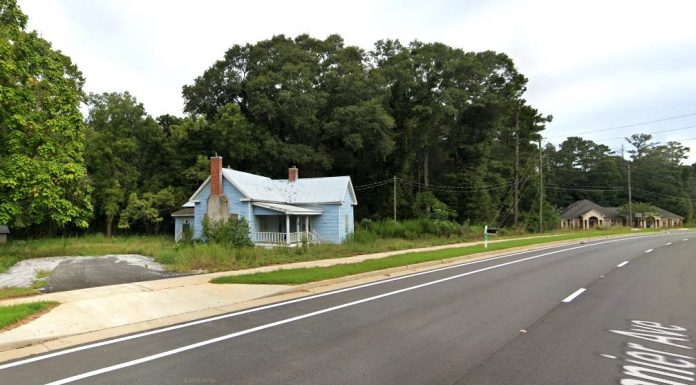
(630,125)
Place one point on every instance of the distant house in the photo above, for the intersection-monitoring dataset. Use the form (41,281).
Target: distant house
(280,212)
(4,231)
(585,214)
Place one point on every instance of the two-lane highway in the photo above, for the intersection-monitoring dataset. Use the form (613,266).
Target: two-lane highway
(540,317)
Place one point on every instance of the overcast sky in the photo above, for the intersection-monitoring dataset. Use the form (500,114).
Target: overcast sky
(593,65)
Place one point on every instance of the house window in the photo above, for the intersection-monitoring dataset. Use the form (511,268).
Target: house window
(263,224)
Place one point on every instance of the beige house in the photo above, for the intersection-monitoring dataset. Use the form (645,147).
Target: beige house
(585,214)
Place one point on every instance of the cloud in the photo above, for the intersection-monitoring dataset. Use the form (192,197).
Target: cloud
(590,64)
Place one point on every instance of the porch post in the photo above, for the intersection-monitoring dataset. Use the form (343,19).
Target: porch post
(287,229)
(306,227)
(297,228)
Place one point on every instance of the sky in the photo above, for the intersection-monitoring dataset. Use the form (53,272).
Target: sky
(596,66)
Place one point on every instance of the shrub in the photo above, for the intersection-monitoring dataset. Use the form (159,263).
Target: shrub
(427,206)
(232,232)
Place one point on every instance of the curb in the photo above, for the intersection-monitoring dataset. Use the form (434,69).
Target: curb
(44,345)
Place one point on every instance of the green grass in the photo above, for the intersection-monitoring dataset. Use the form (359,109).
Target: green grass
(305,275)
(14,292)
(214,257)
(13,314)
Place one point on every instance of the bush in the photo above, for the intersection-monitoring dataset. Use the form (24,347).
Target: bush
(427,206)
(232,232)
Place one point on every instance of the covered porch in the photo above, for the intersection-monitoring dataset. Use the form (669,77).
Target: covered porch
(278,224)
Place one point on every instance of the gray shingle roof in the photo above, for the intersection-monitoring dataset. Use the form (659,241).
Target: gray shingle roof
(662,213)
(582,207)
(185,212)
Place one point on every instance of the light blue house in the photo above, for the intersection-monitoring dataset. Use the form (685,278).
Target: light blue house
(280,212)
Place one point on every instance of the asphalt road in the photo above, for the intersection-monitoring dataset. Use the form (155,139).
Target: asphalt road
(497,321)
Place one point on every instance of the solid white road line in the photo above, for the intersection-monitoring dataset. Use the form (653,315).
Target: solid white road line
(608,356)
(302,299)
(622,264)
(308,315)
(574,295)
(649,250)
(271,306)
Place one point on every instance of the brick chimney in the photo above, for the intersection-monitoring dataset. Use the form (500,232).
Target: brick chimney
(293,174)
(216,175)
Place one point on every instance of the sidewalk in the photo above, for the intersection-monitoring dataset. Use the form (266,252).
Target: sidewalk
(98,308)
(102,312)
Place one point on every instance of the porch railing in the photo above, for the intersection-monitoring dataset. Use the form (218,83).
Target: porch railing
(280,238)
(266,237)
(314,237)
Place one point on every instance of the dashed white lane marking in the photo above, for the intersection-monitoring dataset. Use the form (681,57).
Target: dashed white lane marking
(649,250)
(622,264)
(685,239)
(574,295)
(668,243)
(297,318)
(297,300)
(609,356)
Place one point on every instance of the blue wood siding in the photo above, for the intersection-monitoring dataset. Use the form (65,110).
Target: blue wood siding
(179,224)
(265,211)
(276,224)
(234,206)
(346,221)
(326,224)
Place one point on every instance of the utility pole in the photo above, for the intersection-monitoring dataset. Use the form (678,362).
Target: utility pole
(516,213)
(395,197)
(630,204)
(541,190)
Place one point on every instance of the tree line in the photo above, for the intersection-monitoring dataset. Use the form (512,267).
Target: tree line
(440,124)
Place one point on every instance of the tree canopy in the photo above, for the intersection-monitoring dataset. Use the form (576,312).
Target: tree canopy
(448,128)
(43,179)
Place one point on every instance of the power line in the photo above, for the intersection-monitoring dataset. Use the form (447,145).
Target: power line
(585,189)
(632,124)
(664,196)
(453,188)
(656,132)
(372,185)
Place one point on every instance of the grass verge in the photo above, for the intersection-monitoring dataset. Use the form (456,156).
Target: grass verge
(306,275)
(14,292)
(12,315)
